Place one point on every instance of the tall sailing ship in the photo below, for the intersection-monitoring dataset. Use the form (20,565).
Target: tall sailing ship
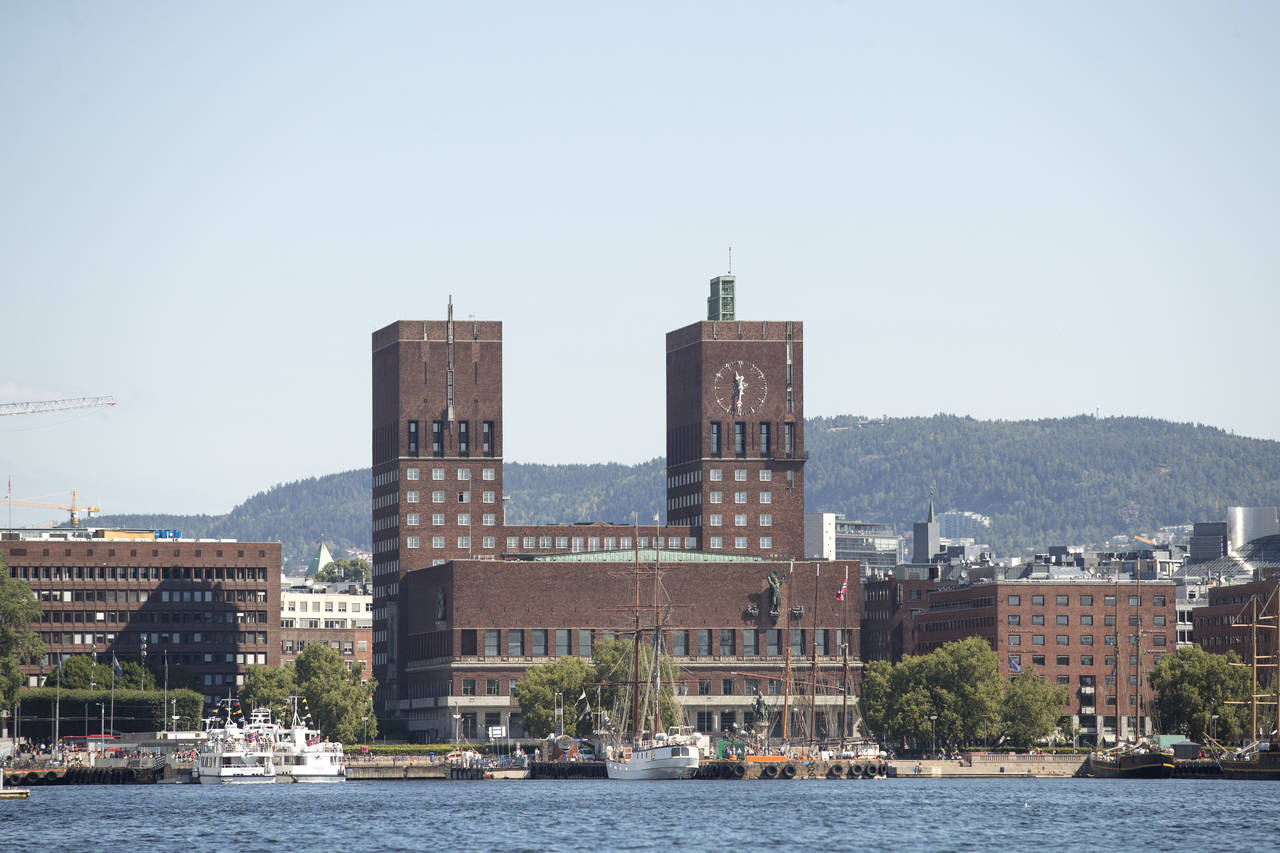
(1259,759)
(651,754)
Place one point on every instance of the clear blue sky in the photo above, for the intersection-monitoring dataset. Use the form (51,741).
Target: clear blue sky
(1008,210)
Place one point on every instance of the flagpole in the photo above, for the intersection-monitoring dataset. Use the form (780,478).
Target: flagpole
(57,714)
(114,665)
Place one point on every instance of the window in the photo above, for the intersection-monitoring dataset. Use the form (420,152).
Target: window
(679,643)
(487,497)
(412,519)
(703,638)
(464,438)
(726,641)
(750,641)
(411,497)
(1062,600)
(562,642)
(704,687)
(766,519)
(1015,619)
(437,438)
(489,542)
(1015,600)
(437,541)
(714,475)
(1086,660)
(437,519)
(488,519)
(715,444)
(491,687)
(765,475)
(740,475)
(727,686)
(1135,600)
(411,541)
(1086,619)
(1086,601)
(515,642)
(715,519)
(487,473)
(1064,679)
(464,542)
(1015,639)
(788,438)
(740,520)
(464,497)
(1158,639)
(716,543)
(1037,601)
(1064,640)
(766,542)
(715,497)
(1037,618)
(739,541)
(1157,601)
(740,439)
(1086,639)
(1063,619)
(491,642)
(586,642)
(739,497)
(464,519)
(1158,619)
(411,473)
(773,641)
(1108,601)
(766,497)
(1016,660)
(437,497)
(539,642)
(1109,619)
(766,439)
(1037,639)
(413,438)
(486,438)
(468,687)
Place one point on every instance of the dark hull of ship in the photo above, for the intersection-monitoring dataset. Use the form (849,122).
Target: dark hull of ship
(1266,765)
(1151,766)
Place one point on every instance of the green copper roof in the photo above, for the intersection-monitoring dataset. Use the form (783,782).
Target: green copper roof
(646,555)
(321,559)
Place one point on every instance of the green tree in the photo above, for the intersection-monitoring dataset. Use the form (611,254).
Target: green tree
(1193,686)
(269,686)
(341,704)
(18,643)
(876,699)
(355,570)
(536,695)
(1032,707)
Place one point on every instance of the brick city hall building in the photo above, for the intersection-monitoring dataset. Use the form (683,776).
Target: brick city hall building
(735,514)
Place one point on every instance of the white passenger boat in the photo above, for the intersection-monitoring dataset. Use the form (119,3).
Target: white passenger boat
(304,755)
(234,752)
(667,755)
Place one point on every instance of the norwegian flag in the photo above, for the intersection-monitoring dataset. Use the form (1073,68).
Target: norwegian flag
(844,588)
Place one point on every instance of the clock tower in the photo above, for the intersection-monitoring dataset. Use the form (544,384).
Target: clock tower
(735,433)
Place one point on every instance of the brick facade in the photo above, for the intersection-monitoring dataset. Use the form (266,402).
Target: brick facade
(1086,636)
(735,436)
(480,624)
(214,606)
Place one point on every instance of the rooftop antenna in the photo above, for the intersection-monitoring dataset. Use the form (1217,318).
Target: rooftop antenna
(730,272)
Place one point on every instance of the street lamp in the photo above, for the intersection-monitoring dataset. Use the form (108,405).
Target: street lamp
(933,733)
(364,720)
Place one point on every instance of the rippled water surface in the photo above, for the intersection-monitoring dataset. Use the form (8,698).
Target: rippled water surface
(907,814)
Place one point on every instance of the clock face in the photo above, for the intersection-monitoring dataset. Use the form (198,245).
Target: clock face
(740,388)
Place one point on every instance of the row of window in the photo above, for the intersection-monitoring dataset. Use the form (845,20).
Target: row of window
(136,573)
(1086,660)
(463,437)
(301,606)
(463,519)
(739,520)
(289,647)
(765,438)
(578,544)
(157,639)
(487,543)
(438,497)
(1085,619)
(1085,639)
(715,543)
(1086,600)
(682,642)
(462,474)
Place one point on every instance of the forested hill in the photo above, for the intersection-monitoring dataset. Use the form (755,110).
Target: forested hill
(1066,481)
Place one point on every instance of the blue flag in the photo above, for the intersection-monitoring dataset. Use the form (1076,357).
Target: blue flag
(115,663)
(1013,664)
(166,669)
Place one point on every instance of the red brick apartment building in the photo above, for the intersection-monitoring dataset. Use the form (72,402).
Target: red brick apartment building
(213,606)
(1099,640)
(1222,624)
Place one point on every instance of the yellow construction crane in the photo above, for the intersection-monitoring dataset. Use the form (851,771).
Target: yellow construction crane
(35,408)
(1144,540)
(72,508)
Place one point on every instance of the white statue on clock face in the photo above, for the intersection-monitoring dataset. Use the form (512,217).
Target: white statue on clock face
(740,388)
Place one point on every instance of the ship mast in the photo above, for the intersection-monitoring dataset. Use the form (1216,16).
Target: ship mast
(786,679)
(844,644)
(813,689)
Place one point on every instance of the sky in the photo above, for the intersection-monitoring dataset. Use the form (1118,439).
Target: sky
(1004,210)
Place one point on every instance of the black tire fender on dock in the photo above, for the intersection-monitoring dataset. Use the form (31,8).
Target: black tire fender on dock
(739,770)
(769,771)
(835,771)
(789,771)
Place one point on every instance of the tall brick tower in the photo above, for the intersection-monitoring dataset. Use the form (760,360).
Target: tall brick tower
(735,431)
(437,461)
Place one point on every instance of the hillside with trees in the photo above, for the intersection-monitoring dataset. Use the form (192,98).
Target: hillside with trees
(1055,481)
